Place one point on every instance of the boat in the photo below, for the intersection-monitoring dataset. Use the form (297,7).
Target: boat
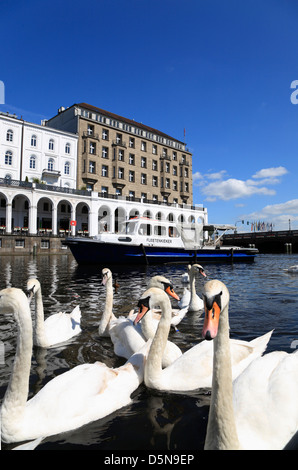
(142,241)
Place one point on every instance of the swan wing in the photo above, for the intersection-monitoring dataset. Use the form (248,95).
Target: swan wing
(126,338)
(265,404)
(60,327)
(86,393)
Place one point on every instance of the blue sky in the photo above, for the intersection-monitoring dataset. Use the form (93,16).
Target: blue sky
(221,70)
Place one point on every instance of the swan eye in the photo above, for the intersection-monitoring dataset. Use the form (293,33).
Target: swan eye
(144,302)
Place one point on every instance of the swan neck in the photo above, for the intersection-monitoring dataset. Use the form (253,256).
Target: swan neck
(17,391)
(153,366)
(221,429)
(39,329)
(147,326)
(108,310)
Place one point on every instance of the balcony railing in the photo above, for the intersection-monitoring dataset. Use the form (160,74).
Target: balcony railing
(80,192)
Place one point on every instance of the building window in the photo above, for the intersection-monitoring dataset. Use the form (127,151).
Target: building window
(143,162)
(105,134)
(121,155)
(167,183)
(8,158)
(132,194)
(154,181)
(104,171)
(51,144)
(186,172)
(143,146)
(167,167)
(154,164)
(104,190)
(67,147)
(9,135)
(154,149)
(33,141)
(121,173)
(131,159)
(92,148)
(175,156)
(143,197)
(67,168)
(50,164)
(32,162)
(105,152)
(131,143)
(164,152)
(131,176)
(154,198)
(186,187)
(118,192)
(92,167)
(90,129)
(175,171)
(143,178)
(118,138)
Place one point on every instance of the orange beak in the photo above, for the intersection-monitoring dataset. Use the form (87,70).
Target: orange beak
(210,327)
(142,311)
(169,290)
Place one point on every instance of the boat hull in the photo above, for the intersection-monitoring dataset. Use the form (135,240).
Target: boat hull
(90,251)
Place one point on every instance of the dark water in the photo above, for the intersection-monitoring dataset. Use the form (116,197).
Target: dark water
(263,297)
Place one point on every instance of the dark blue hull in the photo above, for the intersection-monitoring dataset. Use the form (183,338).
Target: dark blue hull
(89,251)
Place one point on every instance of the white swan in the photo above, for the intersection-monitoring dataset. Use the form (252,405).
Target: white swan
(292,269)
(185,276)
(258,411)
(58,327)
(193,369)
(85,393)
(190,298)
(126,337)
(177,313)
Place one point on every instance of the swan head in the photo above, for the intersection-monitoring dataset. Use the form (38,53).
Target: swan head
(216,298)
(106,275)
(151,298)
(163,283)
(33,285)
(197,267)
(12,300)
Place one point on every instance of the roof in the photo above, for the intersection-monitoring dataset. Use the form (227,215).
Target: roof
(126,120)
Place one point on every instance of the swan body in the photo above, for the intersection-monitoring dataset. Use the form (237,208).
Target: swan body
(259,410)
(126,337)
(58,327)
(190,298)
(193,369)
(292,269)
(83,394)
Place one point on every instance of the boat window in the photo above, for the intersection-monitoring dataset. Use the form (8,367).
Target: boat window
(128,227)
(173,232)
(145,229)
(160,230)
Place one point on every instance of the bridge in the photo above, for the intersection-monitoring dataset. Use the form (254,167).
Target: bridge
(280,241)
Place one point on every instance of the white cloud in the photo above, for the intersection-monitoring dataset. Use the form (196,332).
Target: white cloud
(232,188)
(271,172)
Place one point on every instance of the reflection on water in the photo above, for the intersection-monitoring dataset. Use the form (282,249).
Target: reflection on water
(263,297)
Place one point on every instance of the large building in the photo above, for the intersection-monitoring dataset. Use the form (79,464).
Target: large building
(32,152)
(118,156)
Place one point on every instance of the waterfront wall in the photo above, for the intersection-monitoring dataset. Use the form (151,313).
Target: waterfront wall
(285,241)
(32,245)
